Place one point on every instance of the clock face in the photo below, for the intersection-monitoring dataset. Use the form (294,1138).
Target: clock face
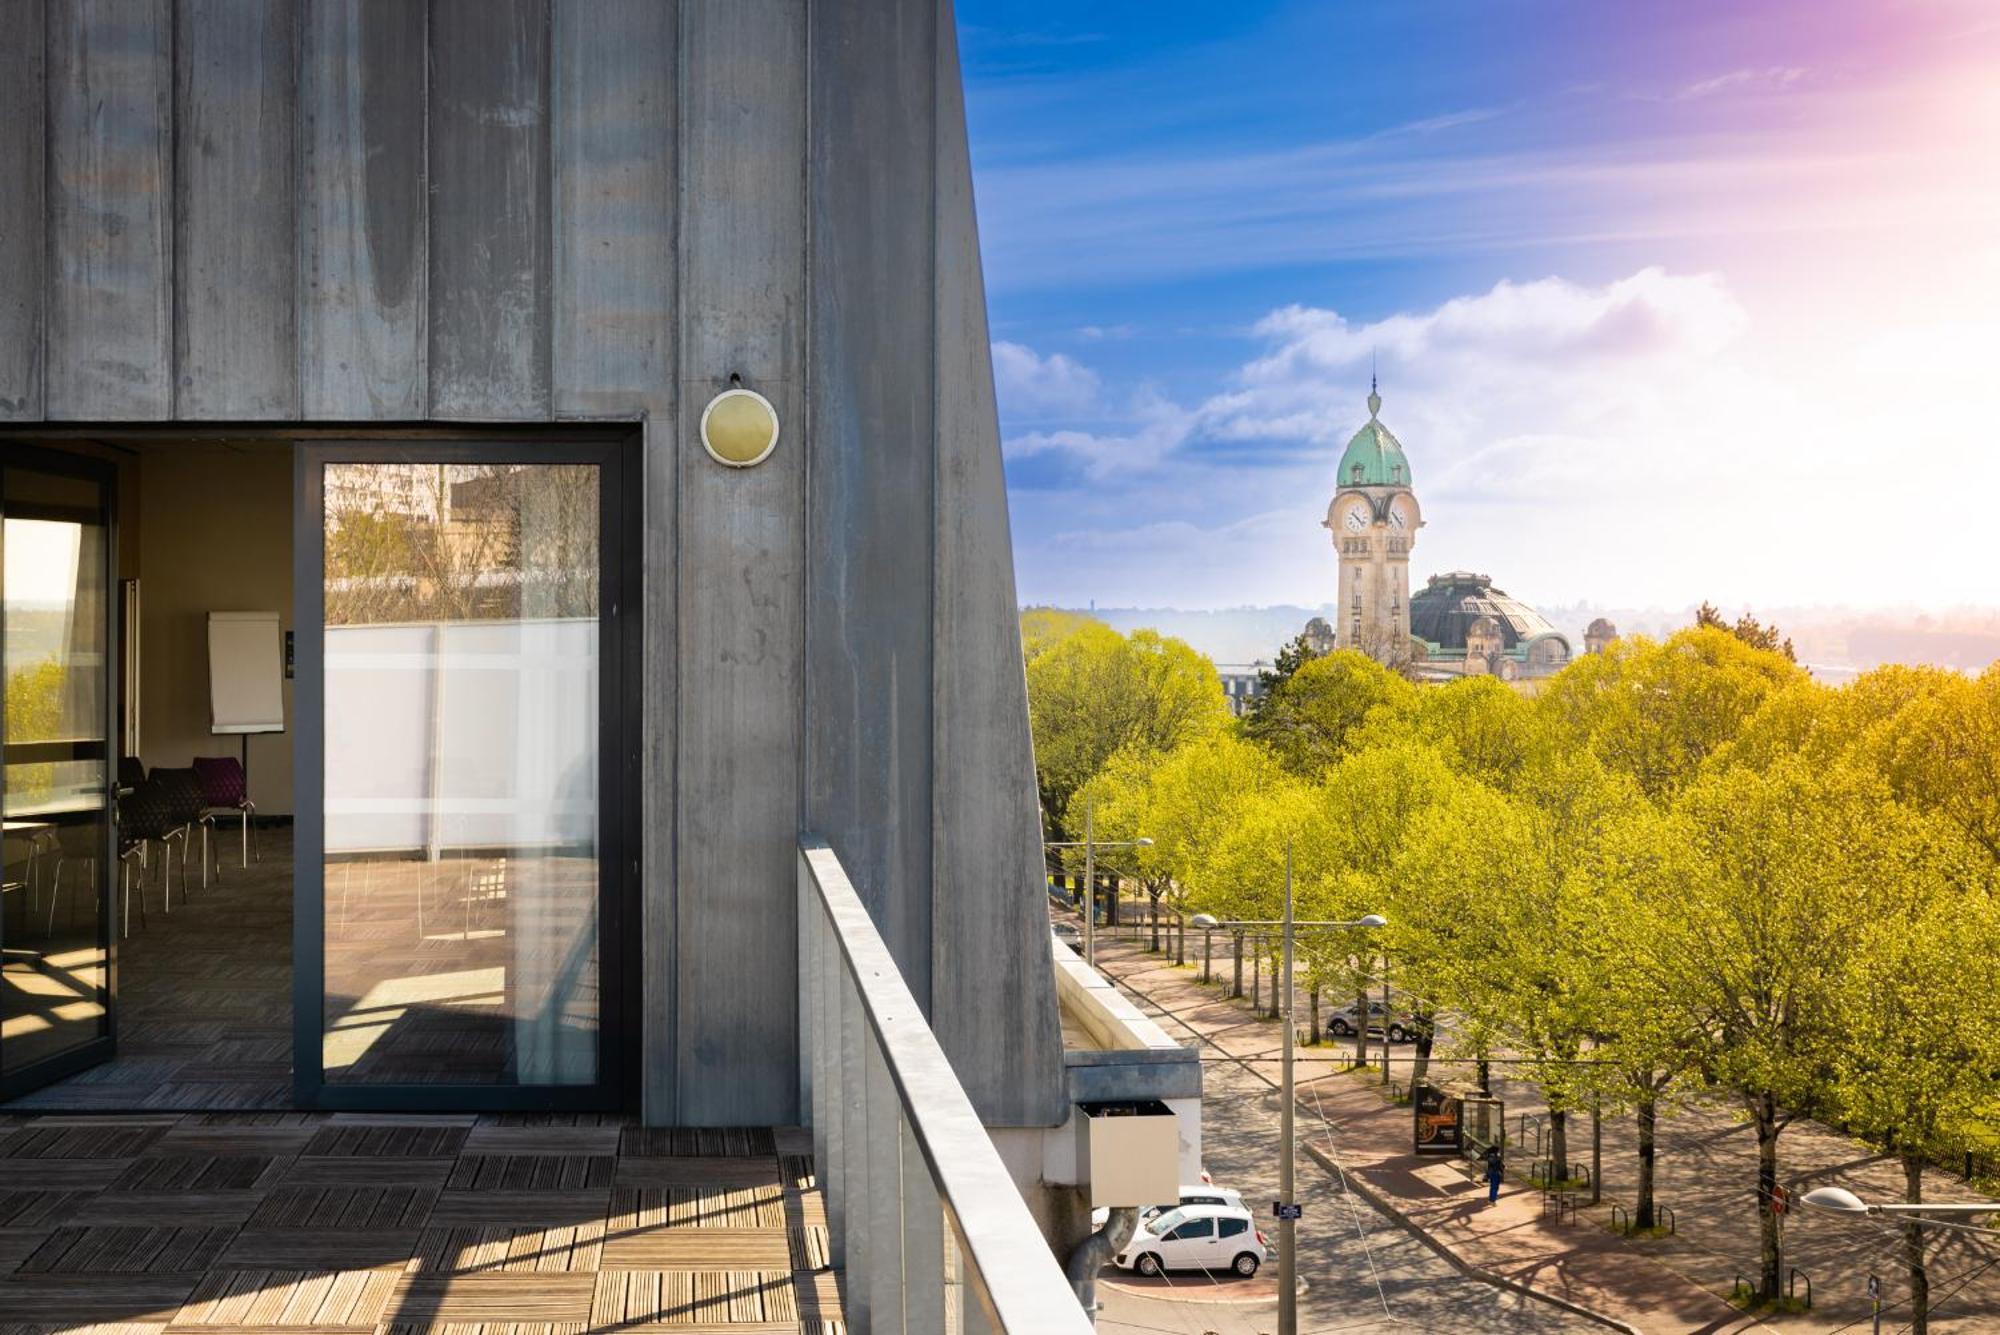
(1399,516)
(1357,518)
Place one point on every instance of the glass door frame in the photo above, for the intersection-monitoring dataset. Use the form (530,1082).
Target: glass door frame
(103,473)
(620,746)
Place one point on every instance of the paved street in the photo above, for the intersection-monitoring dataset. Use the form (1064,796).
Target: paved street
(1668,1284)
(1363,1272)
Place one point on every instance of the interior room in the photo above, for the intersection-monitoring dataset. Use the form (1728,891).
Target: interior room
(456,614)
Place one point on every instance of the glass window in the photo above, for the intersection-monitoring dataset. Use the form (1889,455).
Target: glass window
(53,851)
(461,773)
(1193,1229)
(1232,1227)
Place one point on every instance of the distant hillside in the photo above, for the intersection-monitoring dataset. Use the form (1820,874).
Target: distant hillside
(1835,642)
(1233,635)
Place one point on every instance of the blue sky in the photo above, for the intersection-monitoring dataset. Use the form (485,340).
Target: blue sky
(1588,243)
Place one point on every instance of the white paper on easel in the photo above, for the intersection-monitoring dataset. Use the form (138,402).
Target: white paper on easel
(246,672)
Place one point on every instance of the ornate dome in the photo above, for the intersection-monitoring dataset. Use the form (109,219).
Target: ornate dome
(1450,604)
(1374,457)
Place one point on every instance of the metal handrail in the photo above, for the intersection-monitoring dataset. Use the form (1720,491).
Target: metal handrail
(1015,1275)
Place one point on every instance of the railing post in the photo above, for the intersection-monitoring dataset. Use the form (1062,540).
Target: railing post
(851,1164)
(883,1279)
(829,1149)
(809,1017)
(923,1237)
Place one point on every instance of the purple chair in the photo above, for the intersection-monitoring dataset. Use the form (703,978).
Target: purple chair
(224,793)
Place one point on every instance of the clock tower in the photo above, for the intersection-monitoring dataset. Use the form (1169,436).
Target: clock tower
(1374,521)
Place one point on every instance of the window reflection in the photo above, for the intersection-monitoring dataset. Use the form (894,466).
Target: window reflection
(461,669)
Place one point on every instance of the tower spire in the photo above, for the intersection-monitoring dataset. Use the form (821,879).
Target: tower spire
(1374,398)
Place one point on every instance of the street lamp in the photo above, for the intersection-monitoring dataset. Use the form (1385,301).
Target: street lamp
(1090,844)
(1839,1200)
(1288,1210)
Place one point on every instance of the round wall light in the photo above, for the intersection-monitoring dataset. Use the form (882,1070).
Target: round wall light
(739,427)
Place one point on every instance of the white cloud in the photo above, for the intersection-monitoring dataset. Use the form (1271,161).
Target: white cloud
(1772,79)
(1644,440)
(1031,385)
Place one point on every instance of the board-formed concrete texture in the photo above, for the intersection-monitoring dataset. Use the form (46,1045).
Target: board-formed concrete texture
(392,212)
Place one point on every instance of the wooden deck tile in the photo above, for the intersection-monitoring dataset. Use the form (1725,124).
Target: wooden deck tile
(56,1300)
(356,1172)
(116,1250)
(319,1248)
(509,1249)
(422,1141)
(742,1171)
(811,1248)
(199,1172)
(542,1208)
(215,1225)
(681,1299)
(696,1142)
(38,1209)
(530,1172)
(495,1297)
(699,1249)
(697,1207)
(78,1142)
(289,1299)
(345,1207)
(486,1139)
(166,1207)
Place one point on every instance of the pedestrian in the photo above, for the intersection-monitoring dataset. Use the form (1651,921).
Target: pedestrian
(1495,1170)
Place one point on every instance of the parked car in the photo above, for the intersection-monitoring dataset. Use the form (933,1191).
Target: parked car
(1069,934)
(1197,1237)
(1401,1028)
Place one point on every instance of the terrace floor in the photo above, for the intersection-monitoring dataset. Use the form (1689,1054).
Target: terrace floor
(340,1224)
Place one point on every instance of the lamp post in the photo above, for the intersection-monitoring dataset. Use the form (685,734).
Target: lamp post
(1839,1200)
(1287,1207)
(1089,844)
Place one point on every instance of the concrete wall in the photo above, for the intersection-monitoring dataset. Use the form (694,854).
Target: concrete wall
(393,211)
(214,535)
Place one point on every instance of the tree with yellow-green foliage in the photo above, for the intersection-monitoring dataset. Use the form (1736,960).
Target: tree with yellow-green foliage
(1308,720)
(1093,693)
(1185,801)
(1656,710)
(1920,1010)
(1756,945)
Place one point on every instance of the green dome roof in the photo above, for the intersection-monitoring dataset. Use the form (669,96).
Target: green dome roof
(1374,458)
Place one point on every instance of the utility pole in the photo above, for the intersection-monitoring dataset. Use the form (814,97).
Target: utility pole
(1288,1263)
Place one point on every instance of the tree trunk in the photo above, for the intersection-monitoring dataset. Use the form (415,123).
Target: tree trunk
(1486,1077)
(1558,1145)
(1764,1111)
(1361,1026)
(1913,1246)
(1316,1031)
(1180,939)
(1420,1051)
(1649,1112)
(1236,988)
(1153,919)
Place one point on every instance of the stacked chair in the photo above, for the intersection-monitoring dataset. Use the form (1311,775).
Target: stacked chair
(224,793)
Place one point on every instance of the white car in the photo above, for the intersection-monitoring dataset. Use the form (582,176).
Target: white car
(1197,1237)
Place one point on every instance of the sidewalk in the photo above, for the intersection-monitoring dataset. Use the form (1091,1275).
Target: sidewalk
(1348,1119)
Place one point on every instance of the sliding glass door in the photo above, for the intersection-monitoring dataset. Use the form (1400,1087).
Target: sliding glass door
(57,852)
(463,778)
